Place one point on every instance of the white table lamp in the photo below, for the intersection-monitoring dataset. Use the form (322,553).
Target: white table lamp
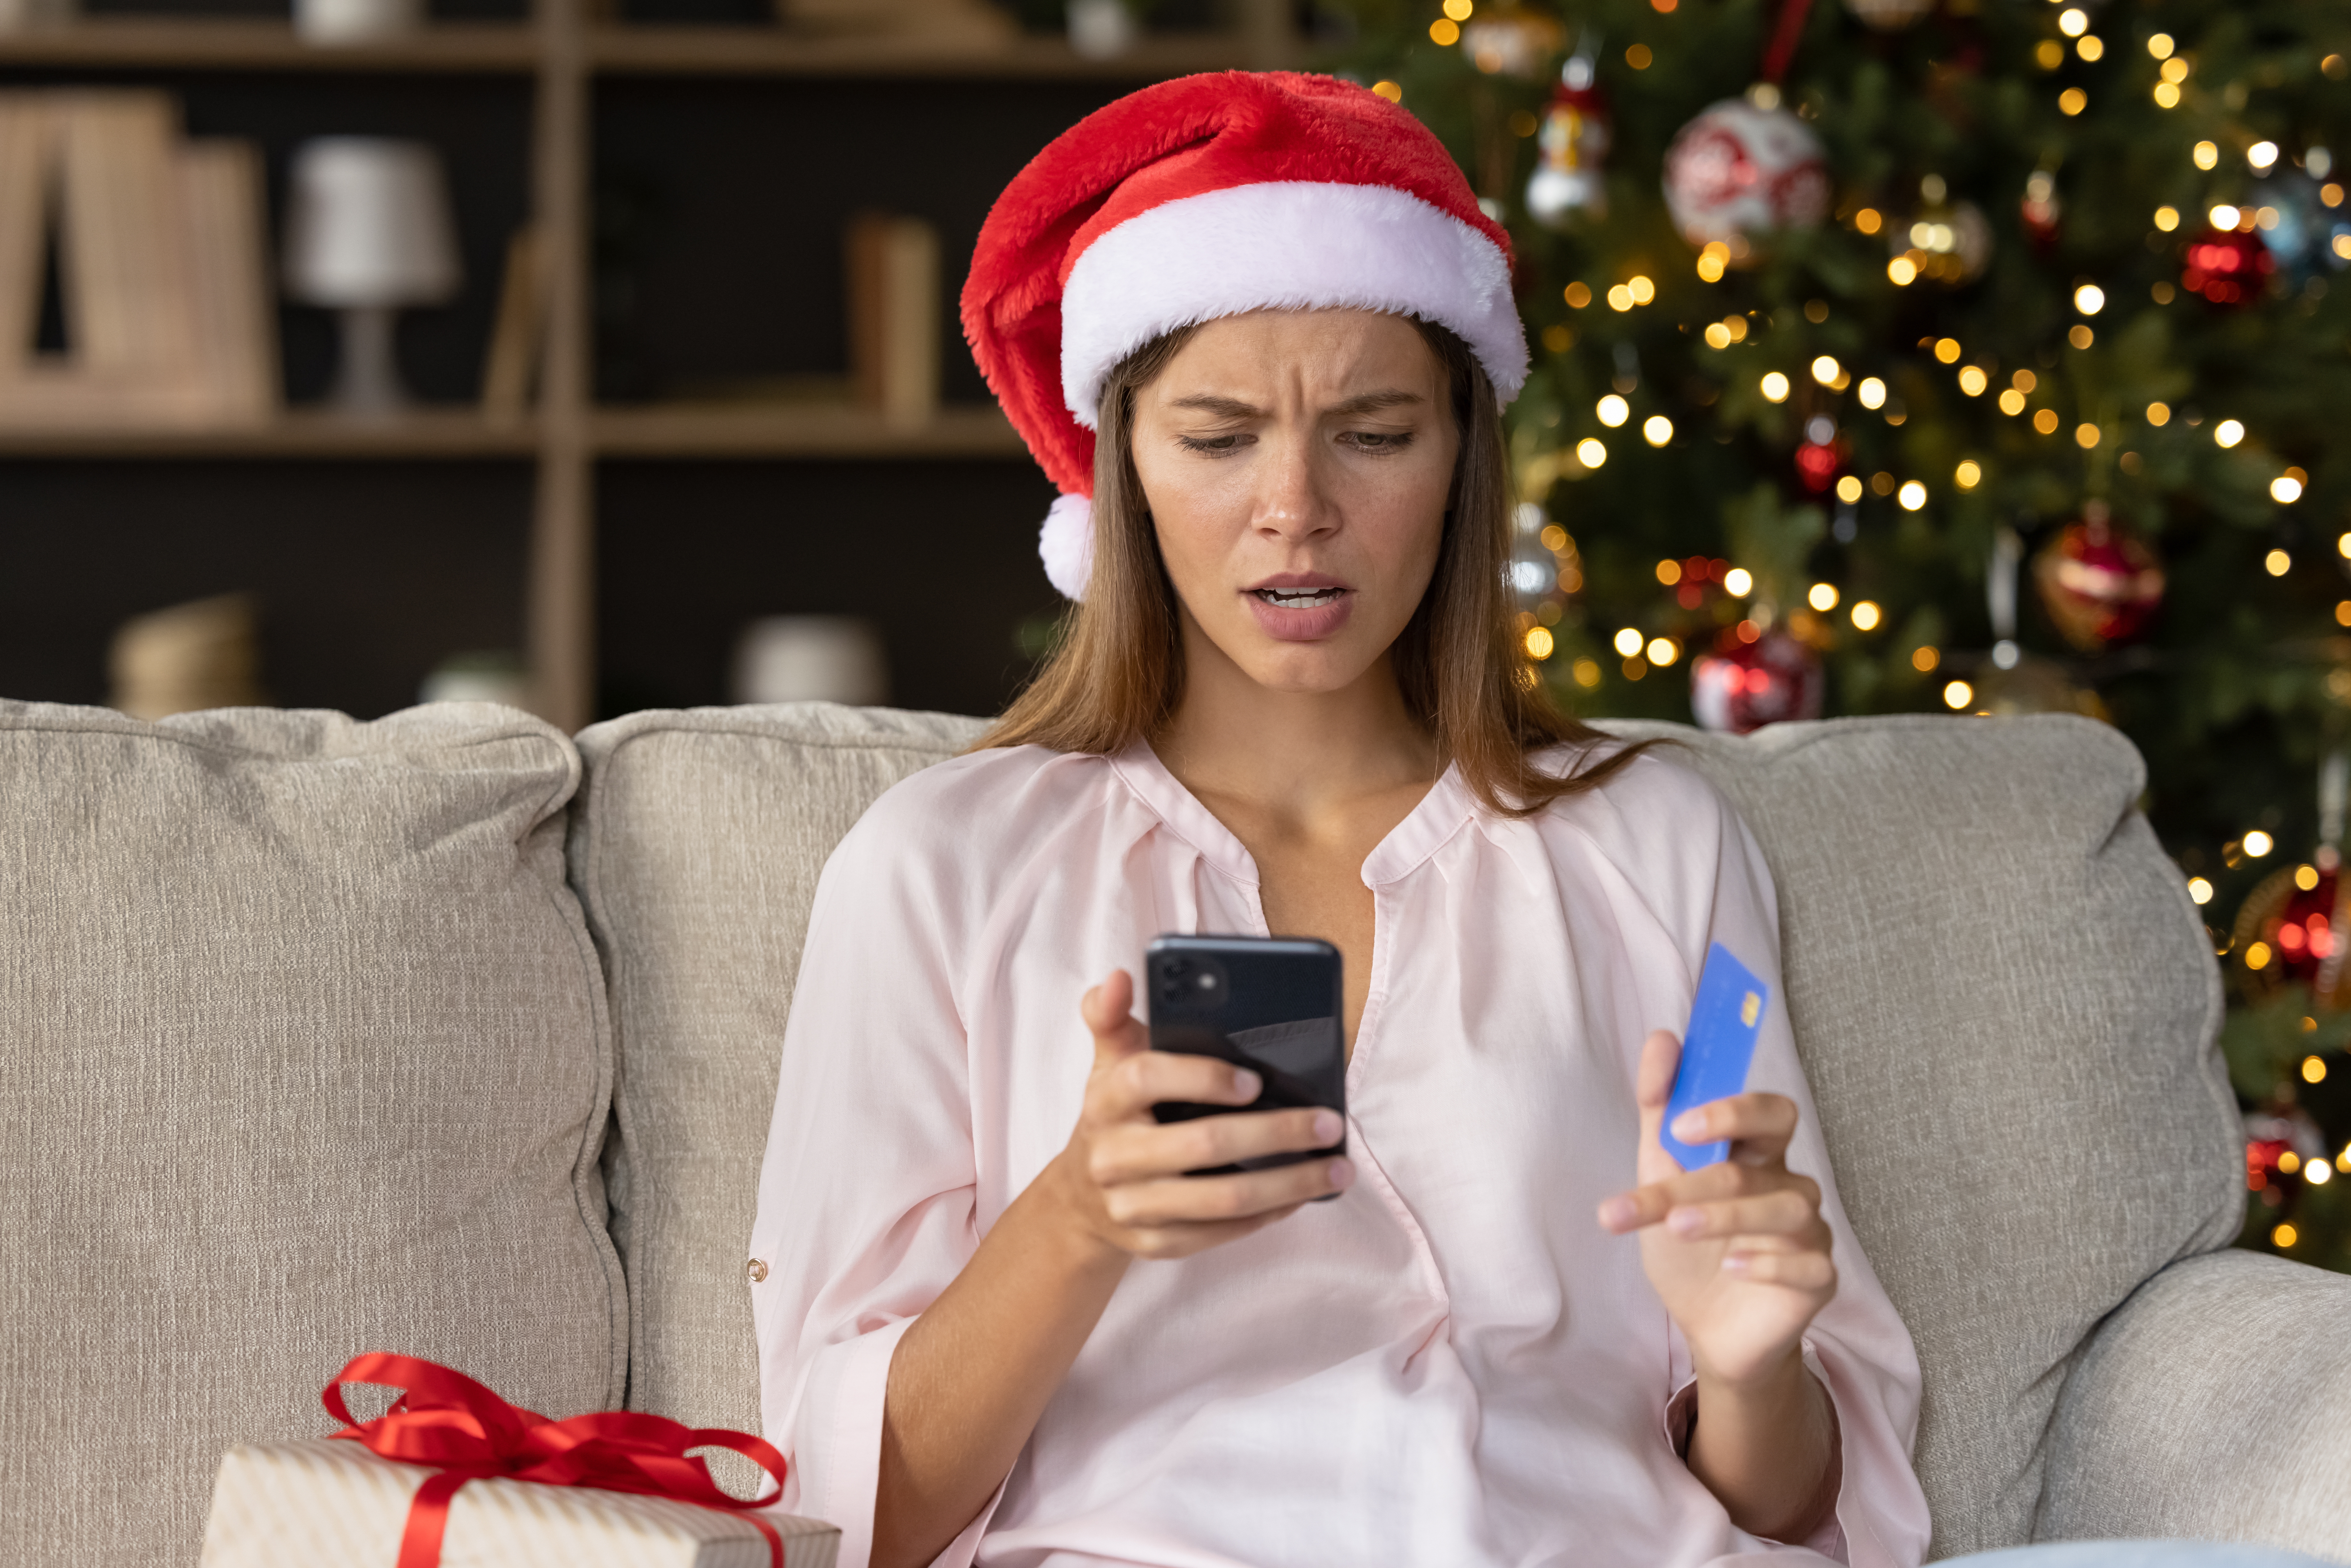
(368,231)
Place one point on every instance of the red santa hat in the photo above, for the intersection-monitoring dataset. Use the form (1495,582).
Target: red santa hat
(1209,197)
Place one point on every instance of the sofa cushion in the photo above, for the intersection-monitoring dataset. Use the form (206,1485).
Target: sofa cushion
(696,847)
(2006,1005)
(2000,991)
(302,1052)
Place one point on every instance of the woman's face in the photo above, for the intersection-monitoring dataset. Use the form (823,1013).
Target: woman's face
(1298,465)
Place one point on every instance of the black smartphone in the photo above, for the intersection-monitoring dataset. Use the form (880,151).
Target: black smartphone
(1270,1004)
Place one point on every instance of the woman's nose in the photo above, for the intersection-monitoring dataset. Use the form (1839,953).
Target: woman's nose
(1290,500)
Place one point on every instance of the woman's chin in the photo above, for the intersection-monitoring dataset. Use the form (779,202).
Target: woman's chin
(1307,669)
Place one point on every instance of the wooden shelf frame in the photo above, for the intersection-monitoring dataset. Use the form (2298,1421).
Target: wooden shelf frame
(610,49)
(168,43)
(563,52)
(811,431)
(421,434)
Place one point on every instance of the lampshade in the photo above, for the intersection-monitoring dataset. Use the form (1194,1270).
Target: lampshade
(369,224)
(811,658)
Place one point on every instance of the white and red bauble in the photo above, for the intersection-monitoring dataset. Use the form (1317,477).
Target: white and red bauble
(1738,171)
(1570,177)
(1209,197)
(1742,686)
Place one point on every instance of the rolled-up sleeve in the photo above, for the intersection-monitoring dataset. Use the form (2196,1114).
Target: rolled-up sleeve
(867,1204)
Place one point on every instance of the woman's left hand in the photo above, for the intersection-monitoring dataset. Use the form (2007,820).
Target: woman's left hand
(1738,1252)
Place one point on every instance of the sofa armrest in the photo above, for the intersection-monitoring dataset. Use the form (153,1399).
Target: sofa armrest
(2210,1404)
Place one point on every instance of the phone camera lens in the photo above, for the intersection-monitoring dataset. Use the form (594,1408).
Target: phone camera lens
(1207,982)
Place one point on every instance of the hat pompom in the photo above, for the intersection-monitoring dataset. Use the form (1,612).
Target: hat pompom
(1067,544)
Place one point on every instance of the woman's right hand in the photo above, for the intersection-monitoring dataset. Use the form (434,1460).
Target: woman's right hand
(1122,1176)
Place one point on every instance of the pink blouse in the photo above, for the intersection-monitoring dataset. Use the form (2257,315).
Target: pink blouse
(1452,1365)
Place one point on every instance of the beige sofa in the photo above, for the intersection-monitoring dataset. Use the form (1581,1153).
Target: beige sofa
(445,1034)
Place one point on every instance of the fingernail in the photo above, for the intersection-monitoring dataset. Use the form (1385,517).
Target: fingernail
(1685,1221)
(1245,1083)
(1738,1264)
(1617,1213)
(1343,1174)
(1690,1126)
(1326,1126)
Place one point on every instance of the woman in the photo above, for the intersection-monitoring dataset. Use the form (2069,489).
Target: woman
(1001,1325)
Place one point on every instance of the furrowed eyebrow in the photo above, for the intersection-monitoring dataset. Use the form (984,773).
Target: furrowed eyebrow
(1234,408)
(1371,402)
(1224,407)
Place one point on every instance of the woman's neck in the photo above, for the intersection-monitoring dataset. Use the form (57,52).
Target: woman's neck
(1295,754)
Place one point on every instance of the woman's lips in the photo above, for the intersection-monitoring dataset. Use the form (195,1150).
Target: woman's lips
(1301,623)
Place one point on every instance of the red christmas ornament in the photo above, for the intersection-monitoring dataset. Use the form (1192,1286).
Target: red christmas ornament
(2281,1139)
(2099,584)
(1817,464)
(2265,1170)
(2226,268)
(1742,686)
(2286,933)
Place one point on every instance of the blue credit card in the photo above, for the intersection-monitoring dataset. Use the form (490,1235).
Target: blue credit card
(1725,1017)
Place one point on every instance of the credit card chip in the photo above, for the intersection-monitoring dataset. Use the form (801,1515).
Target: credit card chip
(1749,1009)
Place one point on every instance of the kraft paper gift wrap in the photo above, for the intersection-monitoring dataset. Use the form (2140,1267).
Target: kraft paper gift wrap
(298,1505)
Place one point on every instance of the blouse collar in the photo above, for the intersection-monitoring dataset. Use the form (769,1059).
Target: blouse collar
(1438,817)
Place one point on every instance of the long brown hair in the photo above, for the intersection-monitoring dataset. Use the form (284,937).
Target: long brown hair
(1117,672)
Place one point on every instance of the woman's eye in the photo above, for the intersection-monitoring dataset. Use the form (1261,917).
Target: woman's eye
(1213,446)
(1378,439)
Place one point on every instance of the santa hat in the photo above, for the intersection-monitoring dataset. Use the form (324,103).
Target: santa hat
(1209,197)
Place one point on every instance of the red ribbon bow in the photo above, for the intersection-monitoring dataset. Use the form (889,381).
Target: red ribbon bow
(445,1419)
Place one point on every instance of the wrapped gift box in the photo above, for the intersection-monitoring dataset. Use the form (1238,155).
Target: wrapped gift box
(298,1505)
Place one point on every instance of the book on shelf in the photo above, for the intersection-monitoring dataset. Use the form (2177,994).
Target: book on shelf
(894,318)
(167,312)
(518,334)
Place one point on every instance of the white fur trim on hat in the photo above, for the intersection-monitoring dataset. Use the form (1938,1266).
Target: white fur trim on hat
(1066,545)
(1285,246)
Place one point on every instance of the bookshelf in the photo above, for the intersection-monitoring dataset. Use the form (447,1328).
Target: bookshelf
(568,64)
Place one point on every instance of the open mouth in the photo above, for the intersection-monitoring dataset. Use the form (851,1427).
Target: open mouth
(1300,598)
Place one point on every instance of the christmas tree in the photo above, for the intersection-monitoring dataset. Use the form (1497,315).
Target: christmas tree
(1972,356)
